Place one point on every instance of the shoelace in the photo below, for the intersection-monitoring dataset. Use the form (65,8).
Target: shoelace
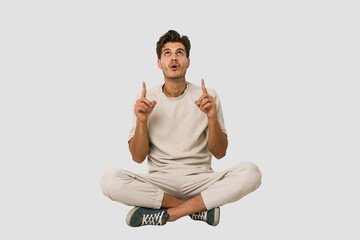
(152,219)
(200,215)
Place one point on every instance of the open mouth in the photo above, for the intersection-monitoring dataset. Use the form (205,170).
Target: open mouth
(174,66)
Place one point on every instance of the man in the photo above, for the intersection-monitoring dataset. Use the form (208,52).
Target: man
(178,126)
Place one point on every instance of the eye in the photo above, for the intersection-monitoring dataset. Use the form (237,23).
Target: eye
(166,53)
(180,53)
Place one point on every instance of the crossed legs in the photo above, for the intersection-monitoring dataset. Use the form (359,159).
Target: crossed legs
(177,208)
(204,192)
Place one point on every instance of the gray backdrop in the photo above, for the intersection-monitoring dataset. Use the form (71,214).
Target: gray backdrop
(287,73)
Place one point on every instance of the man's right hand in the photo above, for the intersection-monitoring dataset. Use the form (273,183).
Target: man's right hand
(143,107)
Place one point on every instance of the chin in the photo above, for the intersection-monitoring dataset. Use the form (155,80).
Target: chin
(175,76)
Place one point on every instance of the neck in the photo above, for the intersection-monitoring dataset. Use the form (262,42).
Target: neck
(175,88)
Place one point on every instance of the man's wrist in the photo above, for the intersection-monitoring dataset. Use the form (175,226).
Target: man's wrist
(213,119)
(138,122)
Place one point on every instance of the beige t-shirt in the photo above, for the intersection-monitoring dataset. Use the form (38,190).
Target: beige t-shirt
(177,131)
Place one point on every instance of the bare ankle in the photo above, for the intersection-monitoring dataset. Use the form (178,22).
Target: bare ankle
(172,215)
(171,201)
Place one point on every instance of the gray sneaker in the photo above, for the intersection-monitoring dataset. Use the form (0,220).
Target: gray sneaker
(212,216)
(140,216)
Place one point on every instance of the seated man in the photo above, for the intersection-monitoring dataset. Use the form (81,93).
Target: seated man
(178,126)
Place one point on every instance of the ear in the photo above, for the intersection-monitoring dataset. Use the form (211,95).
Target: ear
(159,64)
(188,62)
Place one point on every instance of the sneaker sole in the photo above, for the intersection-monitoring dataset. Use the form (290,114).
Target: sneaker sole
(128,217)
(216,216)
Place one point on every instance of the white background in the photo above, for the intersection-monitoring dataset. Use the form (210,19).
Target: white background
(287,73)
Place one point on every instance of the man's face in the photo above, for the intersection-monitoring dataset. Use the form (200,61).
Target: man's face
(173,61)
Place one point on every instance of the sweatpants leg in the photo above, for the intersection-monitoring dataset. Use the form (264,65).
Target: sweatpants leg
(131,189)
(235,183)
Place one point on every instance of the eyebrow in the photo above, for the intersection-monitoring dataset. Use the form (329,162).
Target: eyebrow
(166,49)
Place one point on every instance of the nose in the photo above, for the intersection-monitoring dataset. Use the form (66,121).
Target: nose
(174,57)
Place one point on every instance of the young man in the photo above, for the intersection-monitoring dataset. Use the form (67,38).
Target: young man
(178,126)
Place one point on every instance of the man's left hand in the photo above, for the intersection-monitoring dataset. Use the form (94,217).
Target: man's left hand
(206,103)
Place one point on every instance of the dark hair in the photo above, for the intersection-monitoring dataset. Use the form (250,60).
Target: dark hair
(173,36)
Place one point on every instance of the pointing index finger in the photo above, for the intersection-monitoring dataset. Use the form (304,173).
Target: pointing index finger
(143,94)
(203,86)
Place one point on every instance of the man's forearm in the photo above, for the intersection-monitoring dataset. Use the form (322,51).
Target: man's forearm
(217,140)
(139,144)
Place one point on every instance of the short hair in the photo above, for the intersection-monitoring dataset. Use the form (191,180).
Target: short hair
(173,36)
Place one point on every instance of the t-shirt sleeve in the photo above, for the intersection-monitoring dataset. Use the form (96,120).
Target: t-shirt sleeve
(220,115)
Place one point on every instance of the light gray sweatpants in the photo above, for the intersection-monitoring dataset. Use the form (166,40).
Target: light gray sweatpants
(147,190)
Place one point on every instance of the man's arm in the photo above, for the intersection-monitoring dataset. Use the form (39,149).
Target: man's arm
(139,143)
(217,140)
